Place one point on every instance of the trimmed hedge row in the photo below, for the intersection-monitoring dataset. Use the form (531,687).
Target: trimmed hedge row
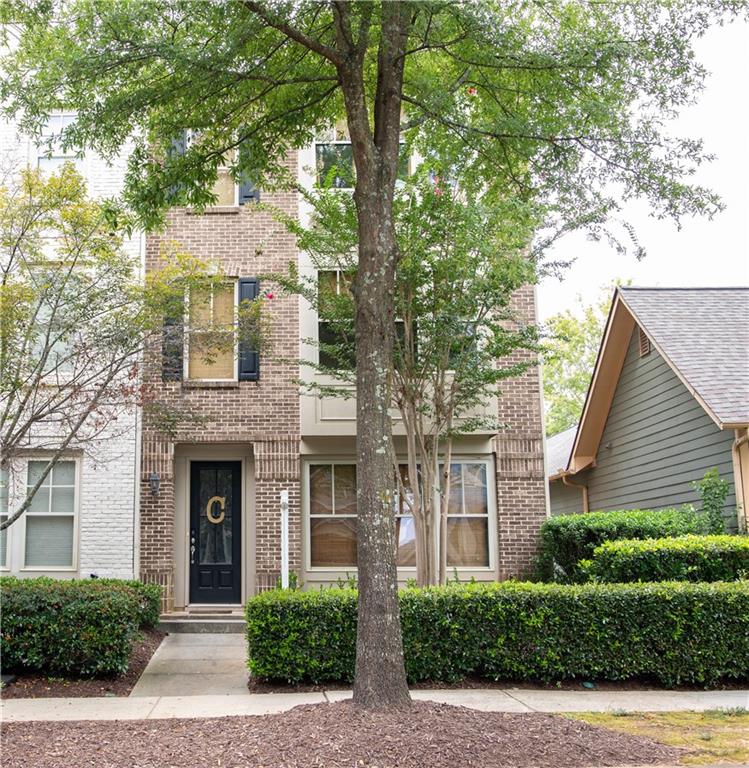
(568,539)
(149,596)
(72,627)
(674,632)
(685,558)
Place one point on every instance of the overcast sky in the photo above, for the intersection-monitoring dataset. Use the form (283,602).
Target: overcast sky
(702,253)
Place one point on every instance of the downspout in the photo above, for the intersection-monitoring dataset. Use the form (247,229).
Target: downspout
(739,481)
(581,486)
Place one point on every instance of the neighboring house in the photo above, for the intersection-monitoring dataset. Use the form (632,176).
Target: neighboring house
(83,521)
(210,515)
(668,400)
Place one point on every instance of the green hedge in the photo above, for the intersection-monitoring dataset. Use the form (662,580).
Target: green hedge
(568,539)
(71,627)
(685,558)
(673,632)
(149,596)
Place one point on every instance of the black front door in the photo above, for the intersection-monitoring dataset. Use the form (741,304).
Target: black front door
(215,533)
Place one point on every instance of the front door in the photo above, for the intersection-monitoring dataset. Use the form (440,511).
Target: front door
(215,533)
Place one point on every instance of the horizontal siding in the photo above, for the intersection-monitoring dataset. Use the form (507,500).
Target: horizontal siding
(565,500)
(656,442)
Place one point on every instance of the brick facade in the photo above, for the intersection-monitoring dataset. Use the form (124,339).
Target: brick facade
(519,451)
(264,416)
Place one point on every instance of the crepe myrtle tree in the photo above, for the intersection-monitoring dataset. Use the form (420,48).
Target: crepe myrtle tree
(545,100)
(76,320)
(462,256)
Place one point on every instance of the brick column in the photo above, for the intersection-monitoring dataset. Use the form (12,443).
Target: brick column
(277,468)
(157,517)
(521,482)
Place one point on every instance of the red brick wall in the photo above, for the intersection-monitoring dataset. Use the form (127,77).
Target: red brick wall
(521,482)
(246,242)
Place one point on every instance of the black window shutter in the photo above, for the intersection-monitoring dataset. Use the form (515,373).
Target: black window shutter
(248,192)
(249,361)
(172,347)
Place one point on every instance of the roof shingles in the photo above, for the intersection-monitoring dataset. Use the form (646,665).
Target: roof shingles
(704,332)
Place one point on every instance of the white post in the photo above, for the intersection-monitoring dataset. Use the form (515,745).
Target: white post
(285,539)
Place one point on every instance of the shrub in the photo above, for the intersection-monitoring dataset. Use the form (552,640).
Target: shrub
(70,628)
(674,632)
(713,491)
(686,558)
(149,596)
(568,539)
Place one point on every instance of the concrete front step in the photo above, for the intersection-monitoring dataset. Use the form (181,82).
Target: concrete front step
(220,624)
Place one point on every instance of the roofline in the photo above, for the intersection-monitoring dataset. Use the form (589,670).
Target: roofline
(684,288)
(692,391)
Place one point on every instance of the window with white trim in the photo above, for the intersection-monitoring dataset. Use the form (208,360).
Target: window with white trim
(332,516)
(51,517)
(3,517)
(211,337)
(334,159)
(51,154)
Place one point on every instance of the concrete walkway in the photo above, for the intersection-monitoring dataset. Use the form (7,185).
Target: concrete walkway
(205,675)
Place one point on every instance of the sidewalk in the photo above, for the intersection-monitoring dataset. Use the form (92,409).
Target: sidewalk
(205,675)
(489,699)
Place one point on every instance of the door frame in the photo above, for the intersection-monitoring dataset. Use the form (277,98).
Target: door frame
(184,456)
(194,523)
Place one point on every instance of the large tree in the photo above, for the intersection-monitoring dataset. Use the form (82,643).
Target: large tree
(547,100)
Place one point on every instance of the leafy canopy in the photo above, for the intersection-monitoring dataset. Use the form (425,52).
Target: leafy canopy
(548,101)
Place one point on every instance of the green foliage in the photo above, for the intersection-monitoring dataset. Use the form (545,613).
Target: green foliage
(684,558)
(676,633)
(569,357)
(72,627)
(713,491)
(149,596)
(568,539)
(549,101)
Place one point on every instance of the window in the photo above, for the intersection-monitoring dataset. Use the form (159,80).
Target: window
(468,516)
(3,517)
(332,523)
(335,337)
(211,337)
(50,519)
(334,160)
(51,155)
(332,506)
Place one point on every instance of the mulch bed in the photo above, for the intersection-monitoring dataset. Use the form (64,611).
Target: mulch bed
(31,685)
(332,736)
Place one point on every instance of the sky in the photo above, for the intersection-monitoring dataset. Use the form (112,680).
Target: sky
(703,252)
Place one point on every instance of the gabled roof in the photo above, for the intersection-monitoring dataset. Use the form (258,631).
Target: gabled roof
(558,449)
(703,335)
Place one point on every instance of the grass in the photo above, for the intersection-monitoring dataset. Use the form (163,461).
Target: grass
(714,736)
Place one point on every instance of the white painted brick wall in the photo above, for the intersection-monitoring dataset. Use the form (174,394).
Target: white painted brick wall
(107,515)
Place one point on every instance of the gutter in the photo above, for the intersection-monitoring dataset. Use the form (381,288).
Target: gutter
(584,488)
(740,482)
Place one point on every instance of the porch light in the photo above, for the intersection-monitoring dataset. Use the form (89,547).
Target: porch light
(154,482)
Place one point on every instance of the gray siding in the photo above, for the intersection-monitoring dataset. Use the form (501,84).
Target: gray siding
(657,440)
(565,500)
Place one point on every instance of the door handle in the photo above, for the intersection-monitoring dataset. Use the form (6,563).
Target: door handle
(192,547)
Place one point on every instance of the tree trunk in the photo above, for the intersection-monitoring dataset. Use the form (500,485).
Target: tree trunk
(380,680)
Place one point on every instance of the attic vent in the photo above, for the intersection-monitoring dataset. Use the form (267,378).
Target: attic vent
(644,343)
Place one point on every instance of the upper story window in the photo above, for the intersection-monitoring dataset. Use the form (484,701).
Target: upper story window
(51,517)
(335,332)
(202,343)
(334,159)
(211,338)
(50,153)
(226,189)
